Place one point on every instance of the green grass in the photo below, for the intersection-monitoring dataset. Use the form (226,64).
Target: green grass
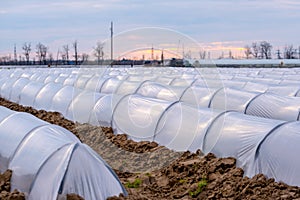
(182,181)
(201,185)
(135,184)
(148,174)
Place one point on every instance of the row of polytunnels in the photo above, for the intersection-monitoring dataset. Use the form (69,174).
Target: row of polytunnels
(69,100)
(108,80)
(258,128)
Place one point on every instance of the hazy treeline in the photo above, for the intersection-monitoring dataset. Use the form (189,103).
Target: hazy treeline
(264,50)
(40,54)
(259,50)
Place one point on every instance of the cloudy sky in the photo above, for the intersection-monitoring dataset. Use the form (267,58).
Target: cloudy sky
(214,24)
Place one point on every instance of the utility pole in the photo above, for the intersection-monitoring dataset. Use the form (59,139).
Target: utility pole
(178,48)
(183,51)
(162,58)
(57,56)
(111,43)
(15,54)
(152,53)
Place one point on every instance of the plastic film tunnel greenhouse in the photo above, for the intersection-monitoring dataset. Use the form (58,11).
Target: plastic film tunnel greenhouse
(75,104)
(49,162)
(166,113)
(70,100)
(225,134)
(57,97)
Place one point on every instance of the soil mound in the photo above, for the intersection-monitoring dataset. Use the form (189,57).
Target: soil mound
(5,193)
(123,142)
(74,197)
(123,154)
(197,177)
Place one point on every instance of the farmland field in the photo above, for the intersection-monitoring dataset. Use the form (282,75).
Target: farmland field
(160,129)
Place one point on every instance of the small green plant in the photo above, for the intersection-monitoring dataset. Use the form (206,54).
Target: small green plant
(182,181)
(135,184)
(148,174)
(201,185)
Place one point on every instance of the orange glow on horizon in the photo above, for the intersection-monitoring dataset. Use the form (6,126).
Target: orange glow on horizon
(149,54)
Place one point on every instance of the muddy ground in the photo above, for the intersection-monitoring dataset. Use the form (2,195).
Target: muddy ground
(208,177)
(5,188)
(149,171)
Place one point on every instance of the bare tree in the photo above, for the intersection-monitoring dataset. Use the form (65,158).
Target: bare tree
(255,49)
(38,52)
(222,55)
(230,55)
(202,55)
(266,48)
(75,46)
(278,53)
(63,57)
(247,51)
(65,53)
(98,52)
(51,59)
(5,59)
(289,52)
(85,57)
(41,52)
(188,55)
(27,49)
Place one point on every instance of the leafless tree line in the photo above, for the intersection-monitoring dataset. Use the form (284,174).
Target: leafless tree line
(70,55)
(290,52)
(264,50)
(261,50)
(44,56)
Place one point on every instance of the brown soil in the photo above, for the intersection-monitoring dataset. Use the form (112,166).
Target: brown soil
(129,145)
(123,154)
(74,197)
(197,177)
(142,168)
(5,193)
